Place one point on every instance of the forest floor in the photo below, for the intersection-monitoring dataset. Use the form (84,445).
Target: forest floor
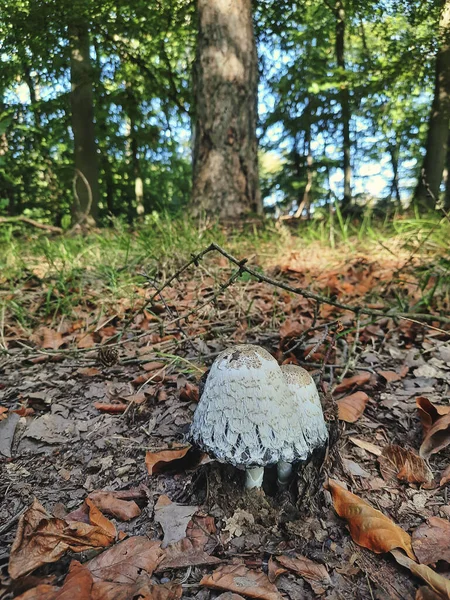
(102,497)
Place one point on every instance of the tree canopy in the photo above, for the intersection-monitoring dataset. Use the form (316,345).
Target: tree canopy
(348,97)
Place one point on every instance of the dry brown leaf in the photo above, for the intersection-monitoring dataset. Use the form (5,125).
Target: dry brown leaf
(193,549)
(426,593)
(112,409)
(230,596)
(351,382)
(124,562)
(42,539)
(431,541)
(437,437)
(44,337)
(239,579)
(153,366)
(306,568)
(429,413)
(3,411)
(400,463)
(157,462)
(173,518)
(439,584)
(43,591)
(445,476)
(352,407)
(389,376)
(77,586)
(274,570)
(89,371)
(368,527)
(372,448)
(189,393)
(86,340)
(109,504)
(291,328)
(142,589)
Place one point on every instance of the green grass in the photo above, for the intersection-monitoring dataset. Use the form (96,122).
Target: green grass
(43,279)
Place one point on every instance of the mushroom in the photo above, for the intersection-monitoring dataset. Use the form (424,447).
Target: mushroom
(302,386)
(250,414)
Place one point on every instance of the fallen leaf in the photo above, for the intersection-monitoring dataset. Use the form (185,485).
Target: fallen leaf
(189,393)
(305,567)
(439,584)
(43,591)
(142,590)
(291,328)
(431,541)
(157,462)
(89,371)
(110,504)
(192,550)
(44,337)
(429,413)
(389,376)
(368,527)
(3,411)
(445,476)
(354,469)
(274,570)
(173,518)
(239,579)
(399,463)
(437,437)
(372,448)
(352,407)
(153,366)
(426,593)
(124,562)
(112,409)
(42,539)
(350,382)
(230,596)
(7,430)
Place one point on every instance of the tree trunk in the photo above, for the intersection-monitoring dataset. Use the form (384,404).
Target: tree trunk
(394,151)
(82,104)
(447,178)
(344,99)
(225,161)
(427,190)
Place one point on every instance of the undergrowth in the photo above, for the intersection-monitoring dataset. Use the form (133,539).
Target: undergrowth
(44,278)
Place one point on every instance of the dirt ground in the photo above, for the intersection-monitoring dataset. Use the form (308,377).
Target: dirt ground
(74,442)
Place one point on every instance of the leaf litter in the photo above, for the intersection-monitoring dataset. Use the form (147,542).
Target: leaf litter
(115,438)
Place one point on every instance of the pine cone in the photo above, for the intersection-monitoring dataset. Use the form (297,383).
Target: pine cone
(108,355)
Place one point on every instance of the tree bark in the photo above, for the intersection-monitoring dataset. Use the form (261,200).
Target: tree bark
(394,151)
(428,187)
(344,99)
(225,160)
(83,127)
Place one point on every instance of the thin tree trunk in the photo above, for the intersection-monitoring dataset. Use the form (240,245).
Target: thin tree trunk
(447,180)
(344,98)
(225,161)
(395,184)
(83,127)
(436,145)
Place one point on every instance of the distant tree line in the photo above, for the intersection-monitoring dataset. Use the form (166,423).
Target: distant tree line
(115,110)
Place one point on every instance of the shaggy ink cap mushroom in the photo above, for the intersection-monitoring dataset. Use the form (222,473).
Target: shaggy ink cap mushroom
(302,385)
(247,415)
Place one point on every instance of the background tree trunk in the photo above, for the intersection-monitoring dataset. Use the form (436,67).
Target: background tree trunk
(82,104)
(344,98)
(225,162)
(436,144)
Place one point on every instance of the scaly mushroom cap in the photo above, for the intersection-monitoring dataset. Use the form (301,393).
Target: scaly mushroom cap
(302,385)
(247,416)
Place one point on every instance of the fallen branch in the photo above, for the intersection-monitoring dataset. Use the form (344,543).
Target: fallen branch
(32,222)
(242,268)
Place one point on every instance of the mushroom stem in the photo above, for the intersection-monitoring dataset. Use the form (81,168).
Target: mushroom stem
(254,478)
(284,470)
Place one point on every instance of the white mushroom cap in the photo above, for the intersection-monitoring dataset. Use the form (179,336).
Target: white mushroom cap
(302,385)
(247,416)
